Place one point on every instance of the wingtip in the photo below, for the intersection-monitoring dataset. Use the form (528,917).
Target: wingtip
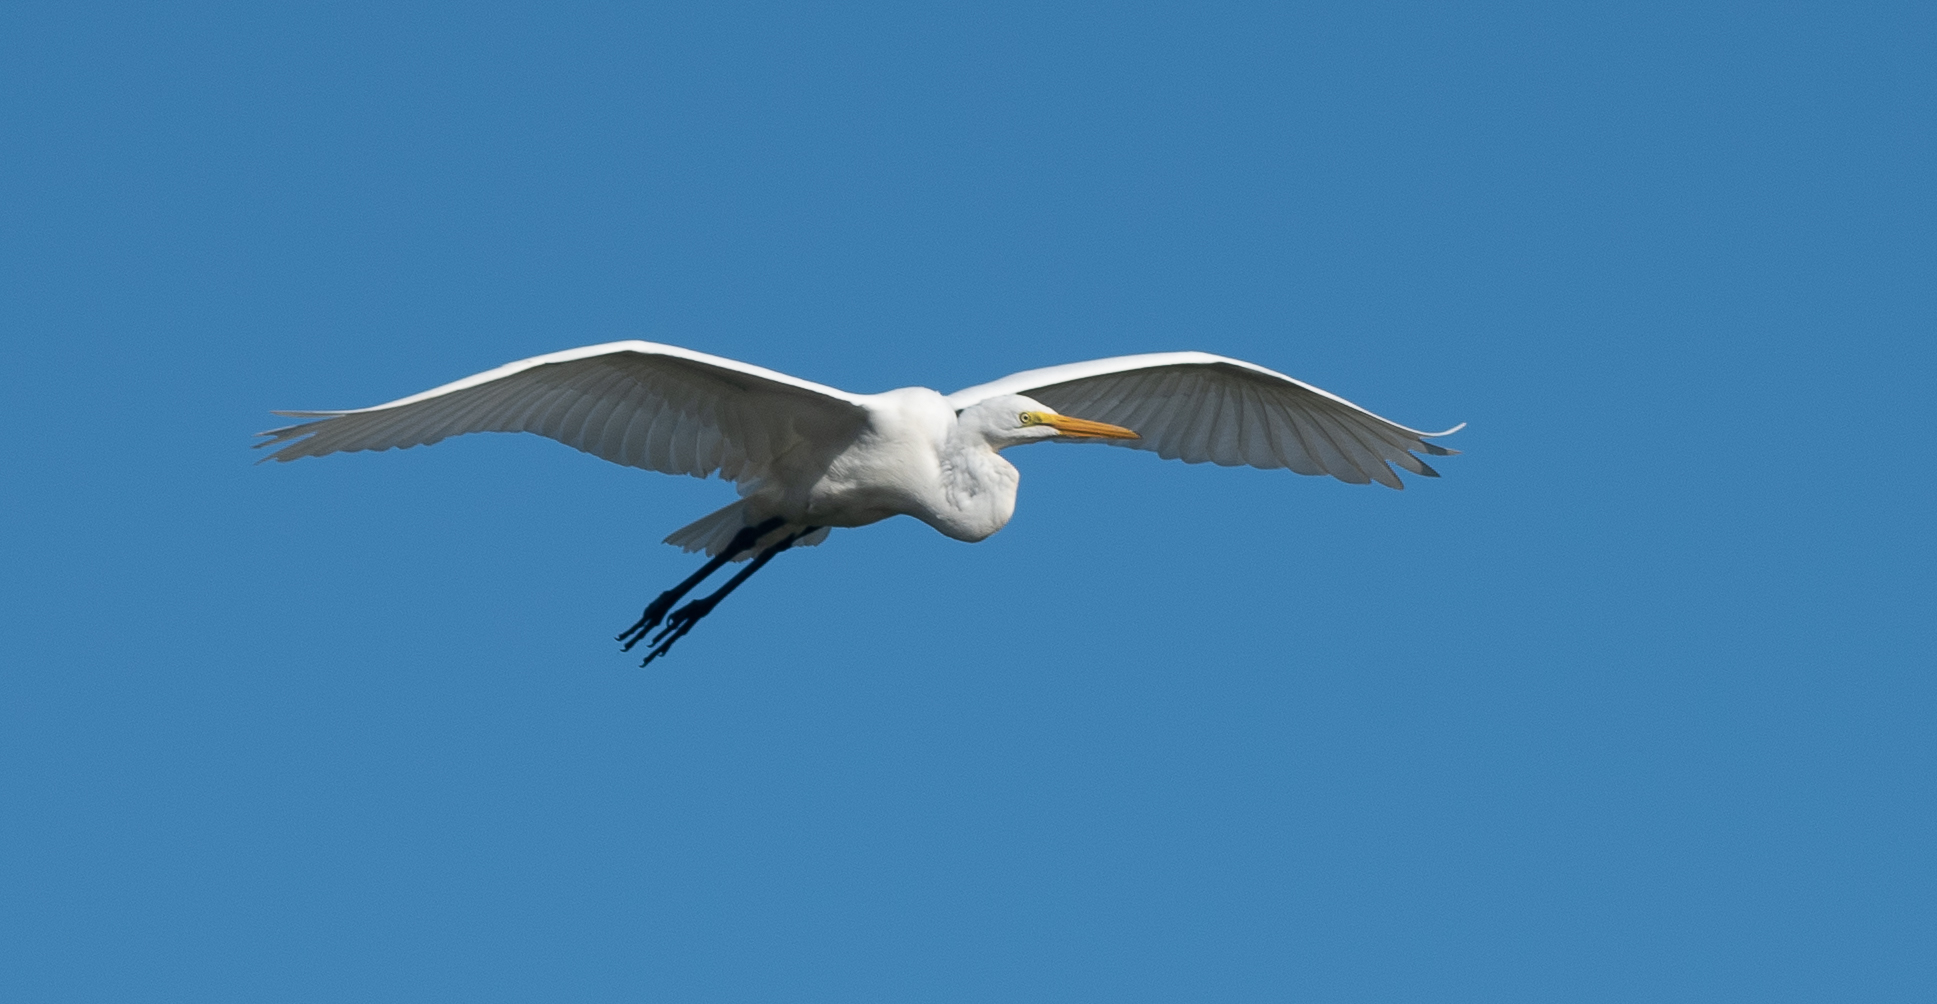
(1434,448)
(286,437)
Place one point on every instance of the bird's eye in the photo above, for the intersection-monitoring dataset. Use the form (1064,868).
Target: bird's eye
(1026,418)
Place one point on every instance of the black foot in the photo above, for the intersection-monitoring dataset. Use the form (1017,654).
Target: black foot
(656,610)
(683,619)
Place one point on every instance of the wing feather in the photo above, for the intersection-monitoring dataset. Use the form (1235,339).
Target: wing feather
(708,450)
(1362,451)
(1387,444)
(638,429)
(605,426)
(1331,459)
(1229,426)
(1252,445)
(659,444)
(1302,456)
(640,404)
(1255,439)
(756,437)
(1347,445)
(1164,434)
(1208,403)
(572,415)
(1198,407)
(685,433)
(1182,400)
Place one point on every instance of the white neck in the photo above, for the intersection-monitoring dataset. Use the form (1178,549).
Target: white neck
(978,488)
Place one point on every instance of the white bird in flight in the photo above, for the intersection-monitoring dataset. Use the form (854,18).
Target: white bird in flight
(807,458)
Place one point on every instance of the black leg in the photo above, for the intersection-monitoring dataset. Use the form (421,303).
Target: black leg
(656,611)
(685,617)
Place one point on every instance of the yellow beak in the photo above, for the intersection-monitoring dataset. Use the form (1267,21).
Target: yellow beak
(1083,428)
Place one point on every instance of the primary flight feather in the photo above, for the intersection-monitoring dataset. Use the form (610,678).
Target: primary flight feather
(807,458)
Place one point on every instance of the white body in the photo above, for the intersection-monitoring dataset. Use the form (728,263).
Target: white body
(910,457)
(818,457)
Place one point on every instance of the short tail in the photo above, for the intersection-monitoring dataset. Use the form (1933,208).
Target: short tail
(715,530)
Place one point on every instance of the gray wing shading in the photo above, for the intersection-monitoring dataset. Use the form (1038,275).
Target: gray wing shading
(1198,407)
(641,404)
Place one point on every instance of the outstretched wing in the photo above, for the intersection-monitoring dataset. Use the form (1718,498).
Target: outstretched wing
(657,407)
(1194,406)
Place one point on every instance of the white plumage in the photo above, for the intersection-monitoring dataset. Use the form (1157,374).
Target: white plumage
(1197,407)
(807,457)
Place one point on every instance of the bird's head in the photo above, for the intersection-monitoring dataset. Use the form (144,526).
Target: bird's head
(1012,420)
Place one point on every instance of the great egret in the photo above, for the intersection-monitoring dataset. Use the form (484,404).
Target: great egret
(807,458)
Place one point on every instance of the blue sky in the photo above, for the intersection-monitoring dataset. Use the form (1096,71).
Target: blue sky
(1634,704)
